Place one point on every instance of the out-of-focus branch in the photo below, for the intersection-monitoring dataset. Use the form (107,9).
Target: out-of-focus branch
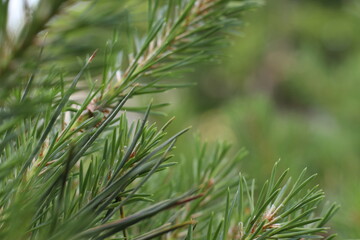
(45,11)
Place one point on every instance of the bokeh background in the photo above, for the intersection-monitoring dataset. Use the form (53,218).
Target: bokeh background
(288,88)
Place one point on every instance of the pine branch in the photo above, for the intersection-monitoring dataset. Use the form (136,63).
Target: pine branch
(82,171)
(188,28)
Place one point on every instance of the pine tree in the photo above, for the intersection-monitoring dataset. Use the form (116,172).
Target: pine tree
(80,169)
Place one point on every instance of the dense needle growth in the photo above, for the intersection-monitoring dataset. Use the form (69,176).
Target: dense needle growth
(79,169)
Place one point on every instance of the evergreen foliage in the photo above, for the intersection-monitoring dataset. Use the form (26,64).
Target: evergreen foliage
(79,169)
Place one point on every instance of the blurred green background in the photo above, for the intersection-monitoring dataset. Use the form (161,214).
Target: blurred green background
(288,88)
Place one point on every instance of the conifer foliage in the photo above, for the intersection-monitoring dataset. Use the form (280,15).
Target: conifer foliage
(79,169)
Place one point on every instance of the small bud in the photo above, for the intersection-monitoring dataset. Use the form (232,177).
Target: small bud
(92,56)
